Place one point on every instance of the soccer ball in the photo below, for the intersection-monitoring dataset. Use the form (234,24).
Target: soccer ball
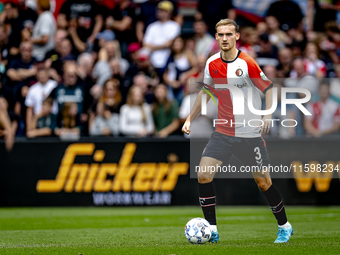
(197,231)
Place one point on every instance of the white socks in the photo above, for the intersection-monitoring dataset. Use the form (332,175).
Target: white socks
(285,226)
(213,228)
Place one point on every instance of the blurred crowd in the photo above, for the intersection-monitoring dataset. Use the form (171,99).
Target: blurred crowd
(124,68)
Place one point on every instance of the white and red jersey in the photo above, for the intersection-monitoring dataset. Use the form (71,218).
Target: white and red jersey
(324,115)
(244,73)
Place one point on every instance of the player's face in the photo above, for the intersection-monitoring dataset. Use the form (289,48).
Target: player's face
(227,37)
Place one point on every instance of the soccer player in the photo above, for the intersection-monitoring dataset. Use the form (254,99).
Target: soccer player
(234,67)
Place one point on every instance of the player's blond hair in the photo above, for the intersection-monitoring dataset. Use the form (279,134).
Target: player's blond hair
(226,22)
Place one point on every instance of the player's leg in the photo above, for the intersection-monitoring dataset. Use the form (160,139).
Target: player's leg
(207,195)
(217,150)
(275,203)
(206,189)
(254,154)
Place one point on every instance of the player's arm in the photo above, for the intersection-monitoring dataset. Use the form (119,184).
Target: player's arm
(267,118)
(196,109)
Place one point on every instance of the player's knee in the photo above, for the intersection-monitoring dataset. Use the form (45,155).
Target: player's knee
(204,177)
(264,183)
(205,180)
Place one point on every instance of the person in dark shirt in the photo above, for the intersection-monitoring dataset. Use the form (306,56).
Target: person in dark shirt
(212,11)
(287,13)
(147,15)
(122,23)
(87,15)
(268,53)
(22,71)
(44,122)
(70,90)
(16,23)
(53,58)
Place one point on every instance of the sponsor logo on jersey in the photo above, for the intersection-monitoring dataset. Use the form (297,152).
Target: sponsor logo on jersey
(239,72)
(263,76)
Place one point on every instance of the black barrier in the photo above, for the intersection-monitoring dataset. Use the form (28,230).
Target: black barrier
(125,172)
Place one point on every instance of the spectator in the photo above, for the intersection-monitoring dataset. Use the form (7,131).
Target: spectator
(22,71)
(276,36)
(102,70)
(84,71)
(44,122)
(313,65)
(276,129)
(180,66)
(268,53)
(321,13)
(203,40)
(122,23)
(43,30)
(111,97)
(84,13)
(142,81)
(302,79)
(201,126)
(140,64)
(135,116)
(148,15)
(160,34)
(285,62)
(66,51)
(105,123)
(270,72)
(165,113)
(5,49)
(213,11)
(79,40)
(70,90)
(37,94)
(287,12)
(16,25)
(250,39)
(69,125)
(103,38)
(53,58)
(325,118)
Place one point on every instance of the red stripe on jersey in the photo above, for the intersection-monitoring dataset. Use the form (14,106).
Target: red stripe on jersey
(254,72)
(218,72)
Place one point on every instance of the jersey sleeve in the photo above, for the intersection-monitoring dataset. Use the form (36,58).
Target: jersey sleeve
(257,76)
(207,77)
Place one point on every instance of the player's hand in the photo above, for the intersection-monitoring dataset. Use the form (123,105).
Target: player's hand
(267,121)
(186,127)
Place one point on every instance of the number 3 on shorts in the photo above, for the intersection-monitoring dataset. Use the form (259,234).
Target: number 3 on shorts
(258,153)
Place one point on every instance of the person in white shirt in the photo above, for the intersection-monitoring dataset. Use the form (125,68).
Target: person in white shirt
(37,94)
(136,116)
(325,118)
(160,34)
(43,30)
(204,42)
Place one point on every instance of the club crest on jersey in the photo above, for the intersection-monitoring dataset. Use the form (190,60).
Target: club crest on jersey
(239,72)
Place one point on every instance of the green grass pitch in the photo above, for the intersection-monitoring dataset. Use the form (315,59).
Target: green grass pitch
(160,230)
